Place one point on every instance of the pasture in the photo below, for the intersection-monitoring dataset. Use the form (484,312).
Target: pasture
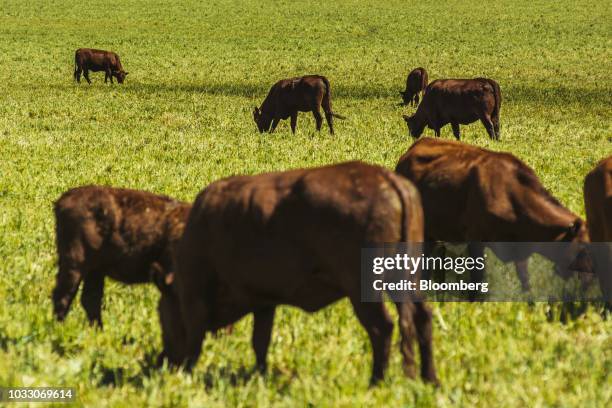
(183,119)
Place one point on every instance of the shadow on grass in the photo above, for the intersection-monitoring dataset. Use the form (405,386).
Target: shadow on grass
(117,376)
(553,95)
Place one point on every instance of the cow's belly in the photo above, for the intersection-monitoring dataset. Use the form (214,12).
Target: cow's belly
(95,68)
(277,273)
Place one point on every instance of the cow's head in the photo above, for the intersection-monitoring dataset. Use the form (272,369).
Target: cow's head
(414,127)
(576,258)
(120,75)
(262,120)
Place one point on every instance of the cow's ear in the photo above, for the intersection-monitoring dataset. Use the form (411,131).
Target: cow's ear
(406,117)
(169,279)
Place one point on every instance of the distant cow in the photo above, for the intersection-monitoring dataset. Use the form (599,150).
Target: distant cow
(88,59)
(415,83)
(287,97)
(598,206)
(255,242)
(458,101)
(125,234)
(471,194)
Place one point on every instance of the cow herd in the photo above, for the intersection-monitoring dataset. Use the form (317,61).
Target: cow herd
(248,244)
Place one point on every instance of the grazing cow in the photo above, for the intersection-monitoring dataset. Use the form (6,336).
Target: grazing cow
(255,242)
(458,101)
(287,97)
(415,83)
(89,59)
(598,206)
(471,194)
(125,234)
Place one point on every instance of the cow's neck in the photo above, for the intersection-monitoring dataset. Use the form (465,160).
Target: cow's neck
(544,220)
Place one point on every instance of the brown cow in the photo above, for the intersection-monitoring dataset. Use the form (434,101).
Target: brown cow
(125,234)
(287,97)
(472,194)
(415,83)
(86,59)
(458,101)
(598,206)
(255,242)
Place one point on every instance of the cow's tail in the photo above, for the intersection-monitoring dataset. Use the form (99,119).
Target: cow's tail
(412,212)
(327,100)
(76,67)
(497,95)
(412,224)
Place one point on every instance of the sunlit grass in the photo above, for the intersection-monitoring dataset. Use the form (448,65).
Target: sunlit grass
(183,119)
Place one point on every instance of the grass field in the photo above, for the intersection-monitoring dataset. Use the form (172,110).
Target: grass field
(183,119)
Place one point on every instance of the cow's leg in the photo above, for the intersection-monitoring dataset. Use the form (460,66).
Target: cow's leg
(318,118)
(329,117)
(422,320)
(437,131)
(523,273)
(263,320)
(456,130)
(274,124)
(195,314)
(105,77)
(495,121)
(91,298)
(405,312)
(374,318)
(77,74)
(488,124)
(86,75)
(416,99)
(67,284)
(293,121)
(476,250)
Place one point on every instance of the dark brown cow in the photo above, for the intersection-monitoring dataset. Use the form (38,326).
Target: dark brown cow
(472,194)
(415,83)
(458,101)
(89,59)
(125,234)
(287,97)
(598,206)
(294,238)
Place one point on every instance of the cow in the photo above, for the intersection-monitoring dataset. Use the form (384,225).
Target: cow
(287,97)
(89,59)
(127,235)
(598,206)
(253,243)
(475,195)
(458,101)
(415,83)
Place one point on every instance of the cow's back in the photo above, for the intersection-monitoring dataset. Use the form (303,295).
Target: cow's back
(276,235)
(459,96)
(110,228)
(470,193)
(598,201)
(97,59)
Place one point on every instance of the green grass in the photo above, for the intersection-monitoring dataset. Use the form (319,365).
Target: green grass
(183,119)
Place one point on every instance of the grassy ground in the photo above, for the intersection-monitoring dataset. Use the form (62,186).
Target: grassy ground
(183,119)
